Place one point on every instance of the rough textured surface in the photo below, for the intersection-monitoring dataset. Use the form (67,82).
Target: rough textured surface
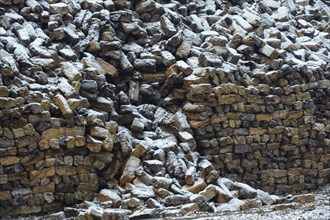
(317,210)
(160,108)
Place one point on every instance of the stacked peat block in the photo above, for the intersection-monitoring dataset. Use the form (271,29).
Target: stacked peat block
(48,160)
(133,102)
(263,135)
